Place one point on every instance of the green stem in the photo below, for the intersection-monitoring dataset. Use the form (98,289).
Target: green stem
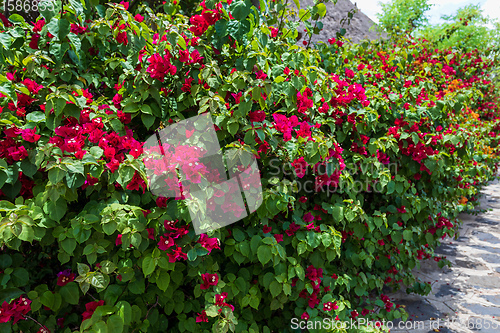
(300,20)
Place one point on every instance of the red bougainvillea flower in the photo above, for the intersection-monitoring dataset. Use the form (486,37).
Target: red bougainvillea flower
(261,75)
(113,165)
(177,255)
(292,229)
(266,229)
(202,317)
(274,32)
(29,135)
(137,183)
(32,86)
(314,274)
(91,181)
(77,29)
(300,166)
(139,18)
(305,316)
(16,310)
(161,202)
(151,233)
(165,243)
(401,209)
(65,277)
(186,87)
(219,300)
(328,306)
(285,125)
(34,41)
(209,243)
(12,132)
(90,308)
(38,25)
(303,101)
(308,217)
(43,330)
(160,66)
(257,116)
(122,38)
(209,280)
(118,240)
(278,237)
(349,73)
(196,58)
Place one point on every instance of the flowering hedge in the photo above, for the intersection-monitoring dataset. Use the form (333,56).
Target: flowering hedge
(396,138)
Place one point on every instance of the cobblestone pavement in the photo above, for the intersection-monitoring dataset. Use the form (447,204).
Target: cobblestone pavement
(466,296)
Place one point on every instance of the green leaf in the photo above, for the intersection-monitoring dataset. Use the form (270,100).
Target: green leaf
(56,175)
(35,117)
(83,269)
(233,128)
(408,235)
(264,254)
(59,28)
(48,9)
(70,293)
(275,288)
(69,245)
(238,235)
(16,18)
(97,280)
(77,5)
(76,167)
(390,187)
(107,267)
(8,294)
(148,120)
(48,299)
(212,311)
(163,280)
(27,234)
(359,290)
(396,237)
(321,9)
(100,327)
(115,323)
(148,265)
(240,9)
(28,168)
(56,210)
(124,311)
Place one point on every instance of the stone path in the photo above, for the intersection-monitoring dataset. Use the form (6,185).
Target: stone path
(466,296)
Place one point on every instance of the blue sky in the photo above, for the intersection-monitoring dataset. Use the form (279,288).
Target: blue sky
(440,7)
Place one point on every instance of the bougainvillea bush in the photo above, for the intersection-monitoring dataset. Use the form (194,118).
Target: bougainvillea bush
(367,154)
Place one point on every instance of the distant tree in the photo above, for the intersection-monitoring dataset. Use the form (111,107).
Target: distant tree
(401,17)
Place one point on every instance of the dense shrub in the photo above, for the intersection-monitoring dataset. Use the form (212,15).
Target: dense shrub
(410,130)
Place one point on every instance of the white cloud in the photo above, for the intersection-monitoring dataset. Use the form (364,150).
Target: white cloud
(492,8)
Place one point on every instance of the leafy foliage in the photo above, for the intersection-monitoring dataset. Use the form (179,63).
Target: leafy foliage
(367,155)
